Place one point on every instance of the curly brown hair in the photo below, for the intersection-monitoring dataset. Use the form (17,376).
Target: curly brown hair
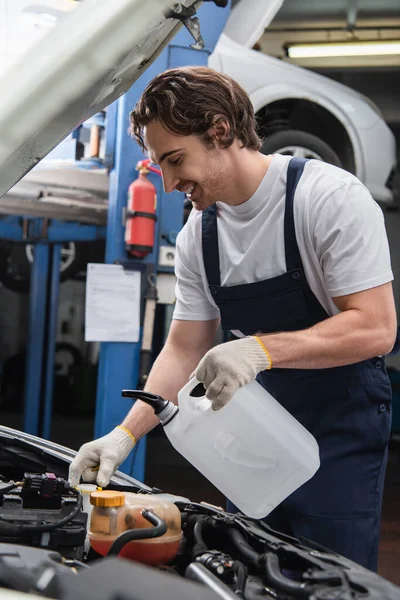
(191,100)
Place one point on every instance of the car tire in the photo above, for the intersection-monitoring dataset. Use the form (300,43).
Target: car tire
(300,143)
(16,259)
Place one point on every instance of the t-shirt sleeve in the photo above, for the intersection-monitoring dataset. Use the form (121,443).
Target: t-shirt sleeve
(192,303)
(350,241)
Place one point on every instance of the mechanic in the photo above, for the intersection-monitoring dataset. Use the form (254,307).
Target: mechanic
(292,257)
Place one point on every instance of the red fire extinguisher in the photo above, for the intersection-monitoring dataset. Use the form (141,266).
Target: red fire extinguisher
(141,212)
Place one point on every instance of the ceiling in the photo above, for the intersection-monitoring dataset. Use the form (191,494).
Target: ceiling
(319,21)
(361,12)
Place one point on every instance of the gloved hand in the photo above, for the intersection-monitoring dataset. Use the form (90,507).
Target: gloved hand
(229,366)
(107,453)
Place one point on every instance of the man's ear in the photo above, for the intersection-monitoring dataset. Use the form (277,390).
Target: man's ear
(219,133)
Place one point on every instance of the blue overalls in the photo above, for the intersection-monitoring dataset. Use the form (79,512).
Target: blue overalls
(347,409)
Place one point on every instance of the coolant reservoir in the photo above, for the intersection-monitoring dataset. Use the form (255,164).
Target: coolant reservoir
(116,512)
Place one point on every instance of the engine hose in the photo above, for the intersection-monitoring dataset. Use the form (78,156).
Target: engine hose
(269,563)
(160,527)
(200,573)
(241,573)
(280,582)
(198,531)
(199,546)
(245,550)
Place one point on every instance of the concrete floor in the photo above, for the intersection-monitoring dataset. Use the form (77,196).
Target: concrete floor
(169,471)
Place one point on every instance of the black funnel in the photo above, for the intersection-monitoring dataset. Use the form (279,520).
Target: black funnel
(157,402)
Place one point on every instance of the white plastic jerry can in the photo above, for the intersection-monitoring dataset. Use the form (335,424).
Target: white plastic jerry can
(253,450)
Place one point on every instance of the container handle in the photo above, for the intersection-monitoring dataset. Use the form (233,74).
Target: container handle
(194,395)
(198,391)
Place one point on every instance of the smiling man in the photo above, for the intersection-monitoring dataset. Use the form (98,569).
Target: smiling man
(292,257)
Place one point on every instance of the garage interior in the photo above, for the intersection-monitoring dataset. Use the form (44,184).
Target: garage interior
(77,362)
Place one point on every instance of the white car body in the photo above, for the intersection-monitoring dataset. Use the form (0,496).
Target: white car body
(269,80)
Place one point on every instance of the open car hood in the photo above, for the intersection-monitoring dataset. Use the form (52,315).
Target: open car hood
(93,56)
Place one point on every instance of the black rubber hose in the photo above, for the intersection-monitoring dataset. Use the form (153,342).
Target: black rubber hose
(241,573)
(198,531)
(160,527)
(245,550)
(280,582)
(199,546)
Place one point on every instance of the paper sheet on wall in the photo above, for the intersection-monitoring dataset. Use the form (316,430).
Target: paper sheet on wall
(112,311)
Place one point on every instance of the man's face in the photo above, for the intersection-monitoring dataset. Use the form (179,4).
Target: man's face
(188,165)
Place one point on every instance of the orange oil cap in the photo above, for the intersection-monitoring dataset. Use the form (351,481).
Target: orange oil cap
(107,498)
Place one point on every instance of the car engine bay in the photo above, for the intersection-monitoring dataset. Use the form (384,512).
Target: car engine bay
(44,549)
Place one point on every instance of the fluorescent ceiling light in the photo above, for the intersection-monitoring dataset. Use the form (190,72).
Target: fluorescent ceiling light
(333,49)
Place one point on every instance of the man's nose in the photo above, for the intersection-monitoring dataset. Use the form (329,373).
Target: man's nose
(170,181)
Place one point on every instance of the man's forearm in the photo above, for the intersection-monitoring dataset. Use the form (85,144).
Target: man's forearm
(343,339)
(169,374)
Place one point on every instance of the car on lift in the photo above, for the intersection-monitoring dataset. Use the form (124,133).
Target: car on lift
(303,113)
(163,546)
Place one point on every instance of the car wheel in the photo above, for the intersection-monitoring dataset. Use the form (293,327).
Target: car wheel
(16,260)
(300,144)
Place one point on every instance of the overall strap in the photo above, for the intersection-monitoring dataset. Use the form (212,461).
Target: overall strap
(292,253)
(209,237)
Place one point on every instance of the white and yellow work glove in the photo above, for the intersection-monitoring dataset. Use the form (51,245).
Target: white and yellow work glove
(98,460)
(229,366)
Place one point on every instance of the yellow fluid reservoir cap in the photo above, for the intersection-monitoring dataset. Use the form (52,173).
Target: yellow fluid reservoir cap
(107,498)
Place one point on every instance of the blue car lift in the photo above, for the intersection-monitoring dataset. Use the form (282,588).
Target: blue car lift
(119,362)
(48,237)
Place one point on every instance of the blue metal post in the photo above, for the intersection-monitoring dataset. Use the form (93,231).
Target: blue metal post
(37,312)
(51,341)
(119,363)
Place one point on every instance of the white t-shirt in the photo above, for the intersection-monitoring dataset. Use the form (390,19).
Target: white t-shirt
(339,228)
